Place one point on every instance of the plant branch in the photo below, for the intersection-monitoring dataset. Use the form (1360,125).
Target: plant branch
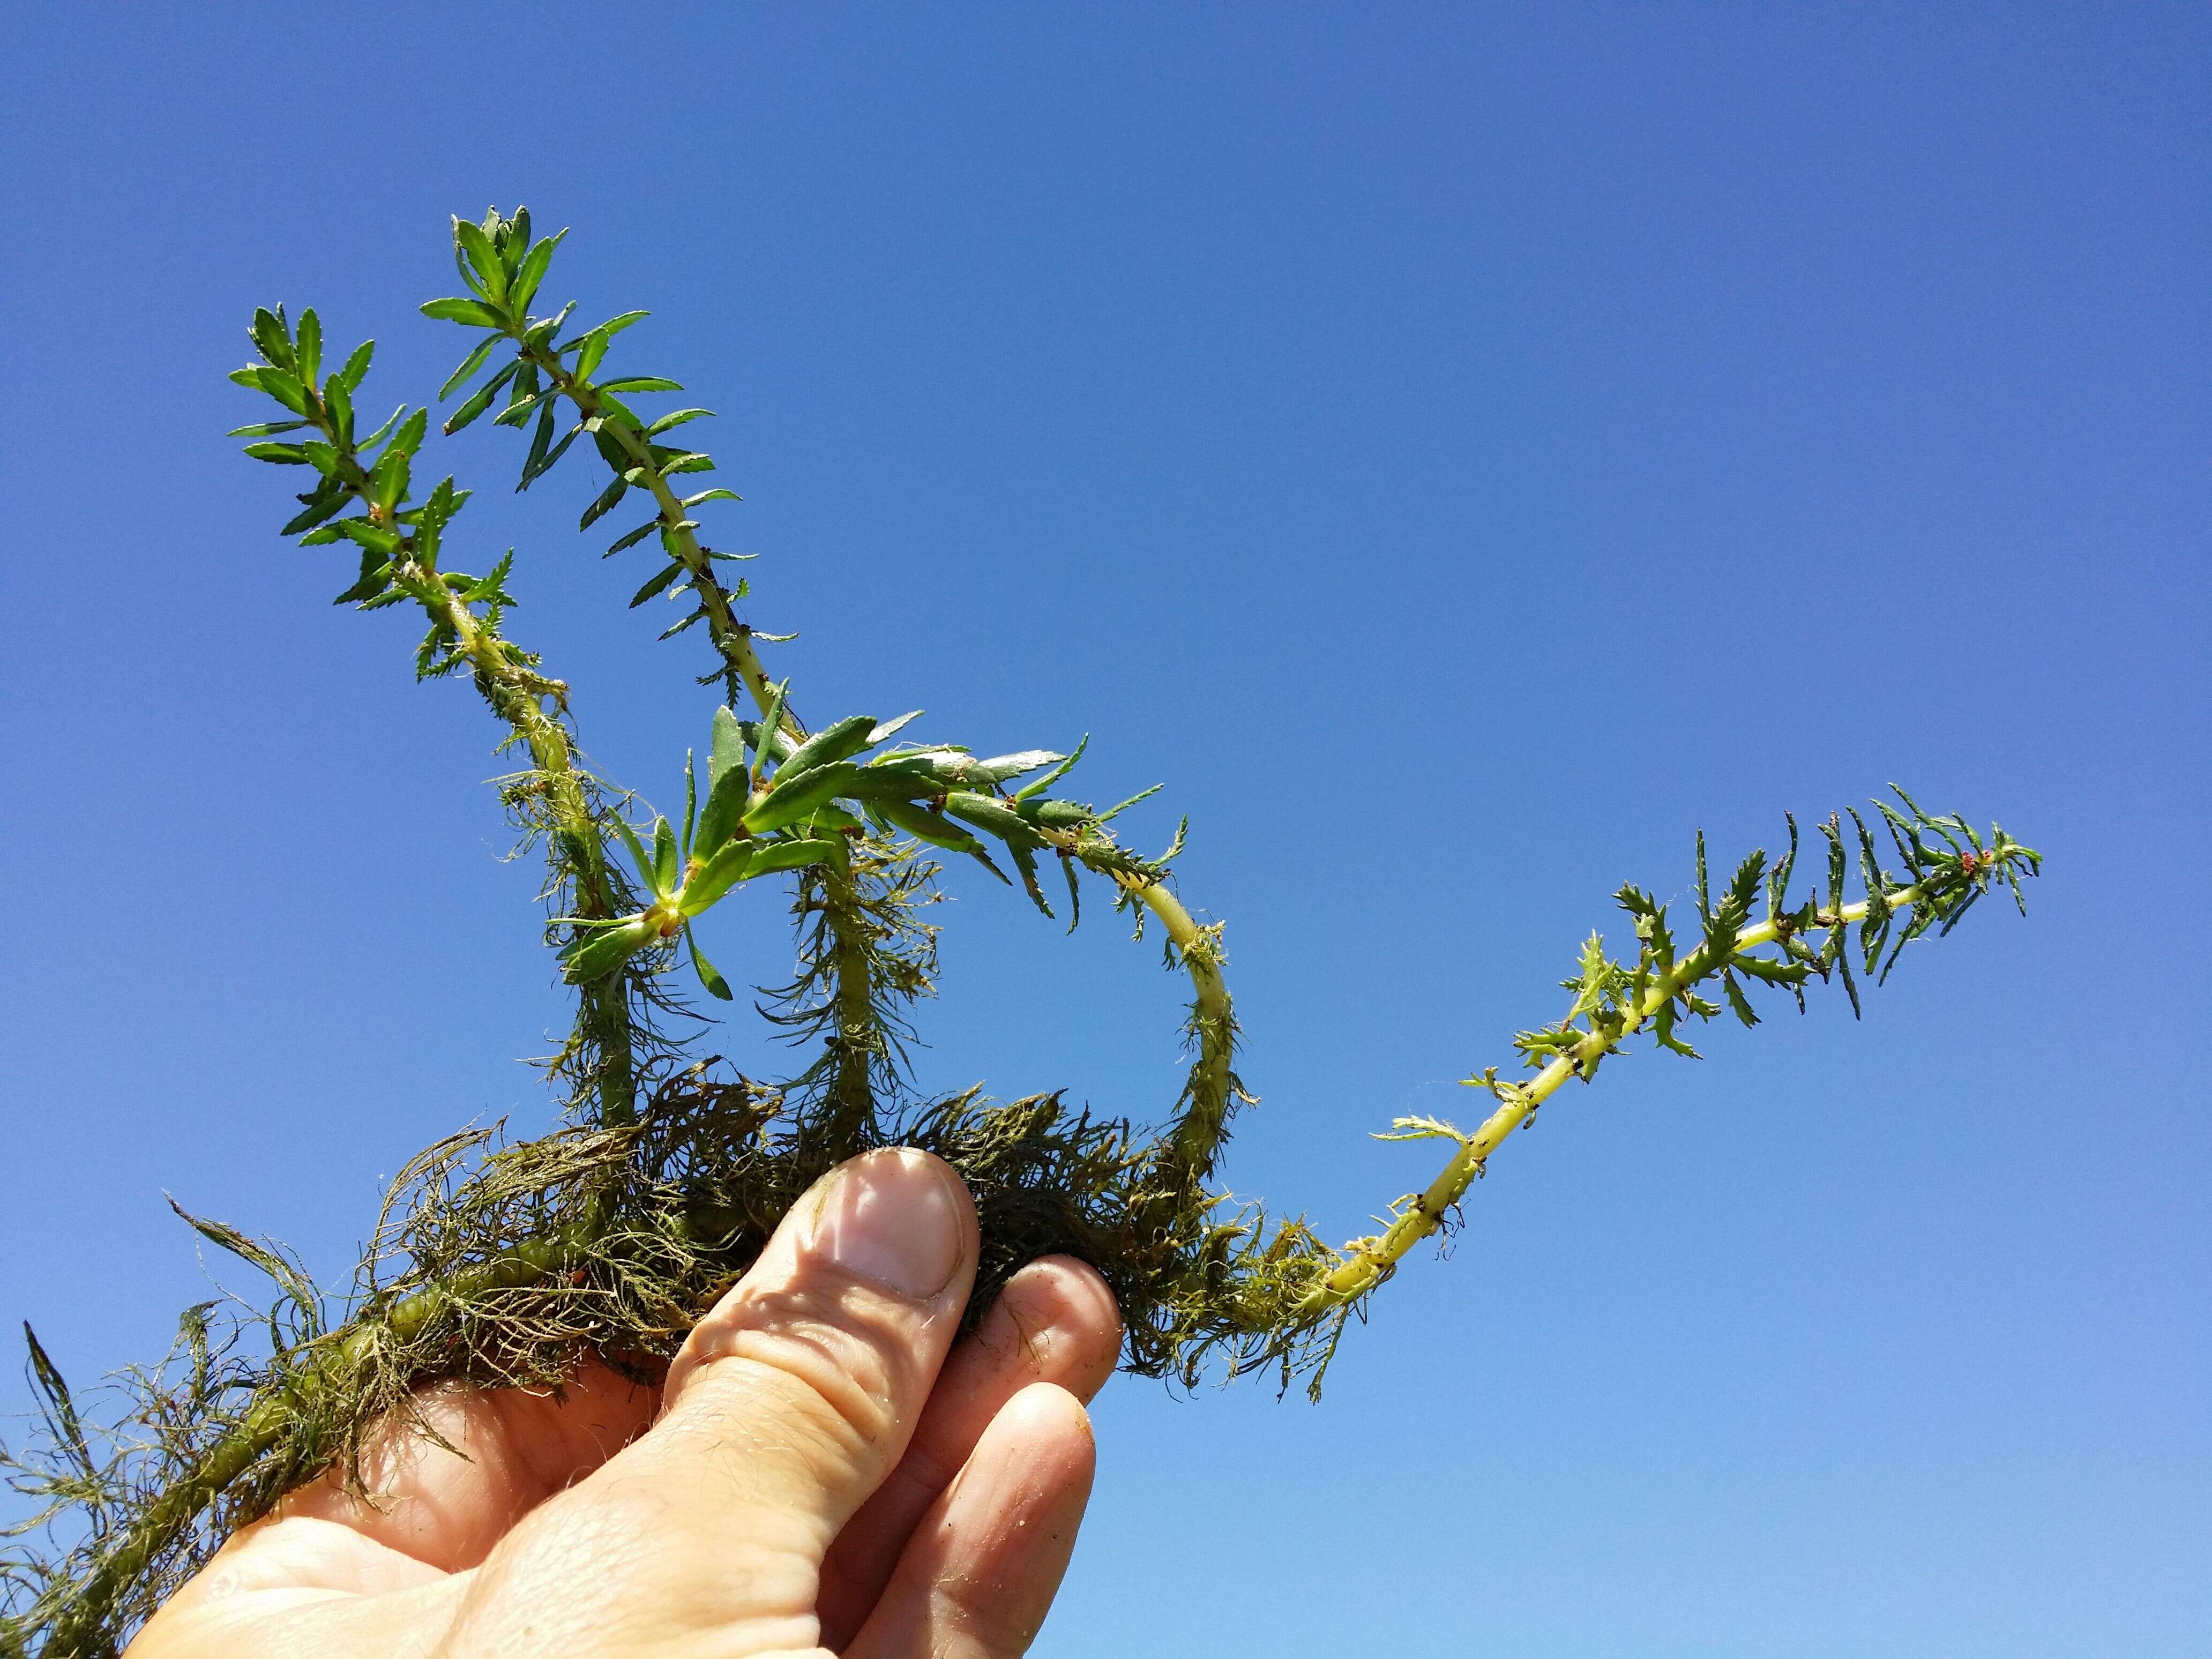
(1366,1262)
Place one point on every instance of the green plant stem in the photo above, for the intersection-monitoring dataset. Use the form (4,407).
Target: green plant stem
(1195,1138)
(732,639)
(851,1098)
(516,695)
(1365,1262)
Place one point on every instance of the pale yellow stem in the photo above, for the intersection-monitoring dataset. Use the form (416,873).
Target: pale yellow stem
(1197,1135)
(1366,1261)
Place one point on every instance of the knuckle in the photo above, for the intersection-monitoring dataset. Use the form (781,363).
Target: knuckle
(812,1390)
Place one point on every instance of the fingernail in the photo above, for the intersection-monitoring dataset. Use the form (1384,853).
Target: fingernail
(891,1217)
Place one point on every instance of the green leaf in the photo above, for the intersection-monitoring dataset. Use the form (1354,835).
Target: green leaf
(1662,1029)
(387,479)
(1774,972)
(523,404)
(545,329)
(491,271)
(667,868)
(283,388)
(635,848)
(788,804)
(375,536)
(728,789)
(61,1408)
(709,976)
(889,729)
(530,475)
(667,423)
(720,871)
(371,441)
(1074,893)
(356,366)
(474,313)
(925,825)
(687,623)
(1737,1000)
(999,767)
(310,348)
(712,496)
(470,364)
(289,1278)
(337,397)
(832,743)
(599,953)
(790,855)
(540,441)
(726,746)
(595,349)
(611,327)
(605,503)
(278,455)
(1704,901)
(1029,790)
(996,816)
(1025,861)
(1056,814)
(375,577)
(531,272)
(326,501)
(610,447)
(641,383)
(408,438)
(769,728)
(1734,911)
(687,461)
(633,538)
(273,339)
(691,804)
(266,428)
(656,586)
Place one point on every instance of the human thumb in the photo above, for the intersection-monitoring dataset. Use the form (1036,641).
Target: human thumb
(786,1407)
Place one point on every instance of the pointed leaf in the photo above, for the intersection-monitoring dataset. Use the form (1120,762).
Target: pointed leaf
(726,746)
(473,314)
(356,366)
(709,975)
(635,848)
(659,585)
(532,270)
(470,364)
(1057,773)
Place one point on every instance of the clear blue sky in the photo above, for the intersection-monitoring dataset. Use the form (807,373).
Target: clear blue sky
(1460,452)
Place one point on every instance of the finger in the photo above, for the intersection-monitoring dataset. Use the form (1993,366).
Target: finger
(980,1574)
(785,1409)
(1054,1322)
(444,1482)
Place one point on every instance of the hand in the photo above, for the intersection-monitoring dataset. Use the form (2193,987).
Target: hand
(824,1469)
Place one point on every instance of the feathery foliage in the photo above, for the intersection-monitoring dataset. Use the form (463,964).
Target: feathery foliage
(504,1264)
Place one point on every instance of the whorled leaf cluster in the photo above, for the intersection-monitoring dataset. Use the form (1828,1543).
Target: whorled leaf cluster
(499,1264)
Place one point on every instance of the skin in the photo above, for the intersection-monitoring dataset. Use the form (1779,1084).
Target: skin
(824,1470)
